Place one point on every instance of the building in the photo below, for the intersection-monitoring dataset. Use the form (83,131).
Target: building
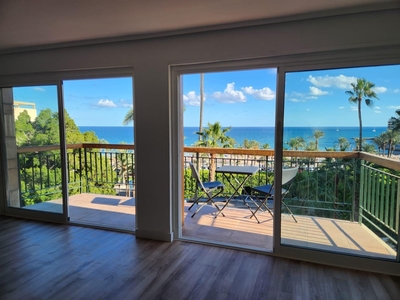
(305,36)
(29,107)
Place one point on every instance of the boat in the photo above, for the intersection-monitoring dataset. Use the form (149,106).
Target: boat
(373,130)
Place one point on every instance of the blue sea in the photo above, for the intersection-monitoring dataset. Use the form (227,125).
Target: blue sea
(119,134)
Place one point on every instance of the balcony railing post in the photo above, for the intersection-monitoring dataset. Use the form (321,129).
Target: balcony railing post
(80,170)
(398,220)
(21,200)
(86,170)
(361,193)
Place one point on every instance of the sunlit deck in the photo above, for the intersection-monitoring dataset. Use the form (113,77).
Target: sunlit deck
(93,209)
(318,233)
(235,228)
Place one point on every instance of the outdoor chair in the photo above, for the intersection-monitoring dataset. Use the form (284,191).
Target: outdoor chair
(268,191)
(211,189)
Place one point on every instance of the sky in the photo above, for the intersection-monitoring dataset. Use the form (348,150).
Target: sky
(243,98)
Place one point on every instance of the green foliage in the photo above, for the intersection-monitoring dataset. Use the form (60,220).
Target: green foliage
(40,173)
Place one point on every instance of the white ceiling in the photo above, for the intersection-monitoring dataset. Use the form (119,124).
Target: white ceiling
(26,23)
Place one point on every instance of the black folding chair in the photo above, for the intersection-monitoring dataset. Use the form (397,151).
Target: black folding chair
(268,190)
(207,188)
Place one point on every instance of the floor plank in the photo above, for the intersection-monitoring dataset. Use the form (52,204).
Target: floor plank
(51,261)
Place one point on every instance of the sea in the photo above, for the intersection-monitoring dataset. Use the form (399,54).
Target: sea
(264,135)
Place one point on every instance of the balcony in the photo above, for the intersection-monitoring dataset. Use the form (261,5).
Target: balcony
(346,202)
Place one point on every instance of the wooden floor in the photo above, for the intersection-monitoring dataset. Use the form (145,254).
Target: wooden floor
(237,228)
(52,261)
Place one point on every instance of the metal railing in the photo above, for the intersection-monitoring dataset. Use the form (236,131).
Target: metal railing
(324,186)
(379,206)
(327,184)
(92,168)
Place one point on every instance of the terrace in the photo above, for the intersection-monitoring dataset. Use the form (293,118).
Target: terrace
(345,202)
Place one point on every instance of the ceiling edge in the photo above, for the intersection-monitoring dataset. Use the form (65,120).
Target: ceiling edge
(259,22)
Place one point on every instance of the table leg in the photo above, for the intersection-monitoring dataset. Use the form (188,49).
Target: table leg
(236,192)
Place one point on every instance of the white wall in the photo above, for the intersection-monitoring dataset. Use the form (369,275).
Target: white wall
(151,59)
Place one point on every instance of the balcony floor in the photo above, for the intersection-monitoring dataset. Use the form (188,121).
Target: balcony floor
(235,228)
(94,209)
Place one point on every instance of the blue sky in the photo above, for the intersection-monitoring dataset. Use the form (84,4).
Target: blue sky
(238,98)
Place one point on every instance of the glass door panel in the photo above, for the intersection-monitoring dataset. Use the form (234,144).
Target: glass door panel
(101,152)
(234,110)
(33,150)
(341,203)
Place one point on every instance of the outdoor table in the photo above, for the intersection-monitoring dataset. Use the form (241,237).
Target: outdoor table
(231,174)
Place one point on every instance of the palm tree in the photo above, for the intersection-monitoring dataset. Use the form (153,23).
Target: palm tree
(296,143)
(201,115)
(380,142)
(214,136)
(128,117)
(317,134)
(362,90)
(343,144)
(396,123)
(250,144)
(392,138)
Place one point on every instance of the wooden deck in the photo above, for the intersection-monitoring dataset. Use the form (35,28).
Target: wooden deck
(100,210)
(236,228)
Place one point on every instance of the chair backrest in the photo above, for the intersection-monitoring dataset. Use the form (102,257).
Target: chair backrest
(195,175)
(289,174)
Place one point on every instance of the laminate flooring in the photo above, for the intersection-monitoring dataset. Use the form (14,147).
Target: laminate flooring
(51,261)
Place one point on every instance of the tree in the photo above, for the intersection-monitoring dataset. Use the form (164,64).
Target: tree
(214,136)
(392,138)
(380,142)
(317,134)
(250,144)
(343,144)
(396,121)
(24,131)
(128,117)
(296,143)
(362,90)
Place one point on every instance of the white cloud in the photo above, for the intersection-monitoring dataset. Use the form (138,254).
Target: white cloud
(341,107)
(192,99)
(307,109)
(379,89)
(317,92)
(230,95)
(299,95)
(294,100)
(262,94)
(377,111)
(377,107)
(396,91)
(354,108)
(39,89)
(105,103)
(394,107)
(341,81)
(125,103)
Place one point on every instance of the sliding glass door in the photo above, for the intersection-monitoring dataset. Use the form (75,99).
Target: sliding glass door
(33,135)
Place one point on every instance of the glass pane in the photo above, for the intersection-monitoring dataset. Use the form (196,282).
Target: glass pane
(339,202)
(237,115)
(33,148)
(101,176)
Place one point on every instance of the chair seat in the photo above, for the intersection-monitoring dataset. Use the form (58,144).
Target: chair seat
(212,185)
(267,189)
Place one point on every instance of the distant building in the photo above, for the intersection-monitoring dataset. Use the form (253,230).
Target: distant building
(20,106)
